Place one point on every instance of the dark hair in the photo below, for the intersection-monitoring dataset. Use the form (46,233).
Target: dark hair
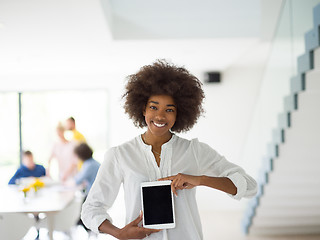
(72,119)
(83,151)
(27,153)
(163,78)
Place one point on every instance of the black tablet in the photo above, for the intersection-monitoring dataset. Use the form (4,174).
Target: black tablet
(157,205)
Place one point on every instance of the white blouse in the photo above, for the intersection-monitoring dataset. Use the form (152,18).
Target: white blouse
(133,162)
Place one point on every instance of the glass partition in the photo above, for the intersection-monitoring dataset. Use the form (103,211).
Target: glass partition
(295,20)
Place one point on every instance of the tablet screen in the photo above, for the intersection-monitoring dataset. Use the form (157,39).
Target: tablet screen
(157,204)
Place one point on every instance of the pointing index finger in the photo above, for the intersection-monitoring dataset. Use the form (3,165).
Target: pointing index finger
(166,178)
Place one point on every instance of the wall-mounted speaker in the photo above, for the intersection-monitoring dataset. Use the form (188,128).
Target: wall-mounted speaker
(213,77)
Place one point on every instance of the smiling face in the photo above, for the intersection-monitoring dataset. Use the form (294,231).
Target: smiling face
(160,114)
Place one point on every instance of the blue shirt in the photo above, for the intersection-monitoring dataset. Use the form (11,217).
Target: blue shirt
(88,173)
(23,171)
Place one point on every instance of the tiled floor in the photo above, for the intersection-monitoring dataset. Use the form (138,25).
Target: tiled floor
(224,225)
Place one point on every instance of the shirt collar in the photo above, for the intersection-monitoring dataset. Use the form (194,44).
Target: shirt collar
(165,145)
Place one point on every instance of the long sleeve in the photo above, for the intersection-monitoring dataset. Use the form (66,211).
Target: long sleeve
(213,164)
(103,192)
(83,175)
(16,176)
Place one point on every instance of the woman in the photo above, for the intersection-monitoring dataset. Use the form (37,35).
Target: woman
(165,99)
(63,152)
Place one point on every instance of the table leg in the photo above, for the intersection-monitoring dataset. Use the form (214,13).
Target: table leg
(50,226)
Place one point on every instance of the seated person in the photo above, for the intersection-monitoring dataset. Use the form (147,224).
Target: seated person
(28,168)
(89,169)
(88,172)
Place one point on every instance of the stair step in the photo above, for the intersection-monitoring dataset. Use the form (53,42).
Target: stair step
(290,103)
(316,16)
(291,152)
(293,157)
(316,61)
(292,190)
(305,62)
(278,231)
(311,39)
(313,80)
(272,190)
(287,211)
(288,178)
(285,202)
(285,221)
(284,120)
(293,179)
(297,83)
(313,170)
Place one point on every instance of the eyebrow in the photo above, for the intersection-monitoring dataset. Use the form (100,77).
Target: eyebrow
(168,105)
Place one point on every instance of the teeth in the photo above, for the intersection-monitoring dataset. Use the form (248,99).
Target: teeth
(159,125)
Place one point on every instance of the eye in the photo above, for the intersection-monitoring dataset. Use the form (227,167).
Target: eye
(153,107)
(170,110)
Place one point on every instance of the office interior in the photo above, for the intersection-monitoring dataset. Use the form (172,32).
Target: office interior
(72,58)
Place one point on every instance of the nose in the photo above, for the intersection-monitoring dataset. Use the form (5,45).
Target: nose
(160,116)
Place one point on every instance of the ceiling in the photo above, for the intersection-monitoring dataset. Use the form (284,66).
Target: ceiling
(68,42)
(179,19)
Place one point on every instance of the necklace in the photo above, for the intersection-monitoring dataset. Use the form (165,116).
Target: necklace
(143,137)
(156,152)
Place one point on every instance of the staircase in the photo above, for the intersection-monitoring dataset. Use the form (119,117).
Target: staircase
(288,200)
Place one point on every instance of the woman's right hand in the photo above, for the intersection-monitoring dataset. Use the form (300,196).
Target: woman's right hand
(133,231)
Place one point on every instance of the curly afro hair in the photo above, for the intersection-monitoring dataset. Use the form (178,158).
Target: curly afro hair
(163,78)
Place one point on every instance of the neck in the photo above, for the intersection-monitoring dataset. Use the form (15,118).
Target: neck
(156,141)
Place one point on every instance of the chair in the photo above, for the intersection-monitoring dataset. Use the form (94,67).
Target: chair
(66,218)
(14,226)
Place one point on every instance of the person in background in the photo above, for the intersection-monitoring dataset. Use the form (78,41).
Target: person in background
(89,169)
(74,135)
(63,152)
(88,172)
(28,168)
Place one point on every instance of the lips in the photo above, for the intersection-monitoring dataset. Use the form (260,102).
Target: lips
(159,125)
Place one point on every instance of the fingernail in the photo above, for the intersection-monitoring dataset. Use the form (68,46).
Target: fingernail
(140,213)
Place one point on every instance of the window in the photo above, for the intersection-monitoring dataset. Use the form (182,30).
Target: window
(41,112)
(9,136)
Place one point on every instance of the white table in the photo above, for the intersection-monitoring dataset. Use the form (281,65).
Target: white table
(48,200)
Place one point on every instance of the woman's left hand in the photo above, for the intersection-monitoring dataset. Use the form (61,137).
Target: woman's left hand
(182,181)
